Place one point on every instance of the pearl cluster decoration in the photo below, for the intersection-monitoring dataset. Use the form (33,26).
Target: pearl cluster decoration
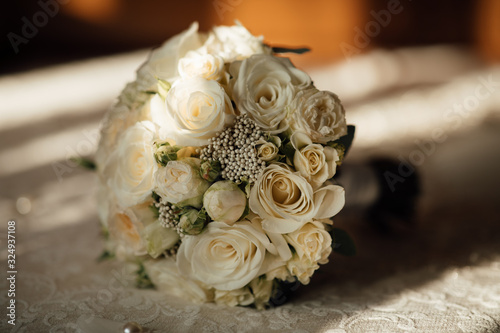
(234,148)
(169,216)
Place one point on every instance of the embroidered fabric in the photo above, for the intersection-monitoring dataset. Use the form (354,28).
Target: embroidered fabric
(61,283)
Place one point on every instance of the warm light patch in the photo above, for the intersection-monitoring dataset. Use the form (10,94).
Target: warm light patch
(92,10)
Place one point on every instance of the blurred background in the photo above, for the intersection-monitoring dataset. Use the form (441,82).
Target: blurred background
(77,29)
(420,80)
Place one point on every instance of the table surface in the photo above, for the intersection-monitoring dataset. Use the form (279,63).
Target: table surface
(441,273)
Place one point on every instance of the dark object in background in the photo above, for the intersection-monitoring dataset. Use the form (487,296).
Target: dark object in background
(370,192)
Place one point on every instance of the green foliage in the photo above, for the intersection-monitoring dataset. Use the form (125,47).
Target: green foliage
(105,255)
(84,162)
(143,281)
(346,140)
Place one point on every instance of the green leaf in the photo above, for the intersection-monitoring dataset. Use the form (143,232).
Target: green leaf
(288,151)
(347,139)
(155,210)
(299,50)
(84,162)
(105,255)
(342,242)
(163,87)
(155,196)
(340,150)
(210,170)
(143,281)
(105,232)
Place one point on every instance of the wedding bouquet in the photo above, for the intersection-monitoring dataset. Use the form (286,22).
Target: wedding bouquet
(216,167)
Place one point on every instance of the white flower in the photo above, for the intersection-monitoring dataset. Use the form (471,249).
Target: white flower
(195,110)
(286,201)
(263,86)
(302,269)
(242,296)
(312,245)
(311,242)
(158,238)
(205,65)
(163,61)
(315,162)
(280,273)
(166,277)
(319,114)
(262,290)
(224,202)
(234,43)
(130,168)
(268,150)
(180,183)
(125,229)
(224,257)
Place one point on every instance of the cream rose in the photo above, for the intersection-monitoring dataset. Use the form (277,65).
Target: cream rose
(302,269)
(225,202)
(242,296)
(224,257)
(262,290)
(166,277)
(319,114)
(311,242)
(195,110)
(263,86)
(131,166)
(268,150)
(126,227)
(158,239)
(180,183)
(283,199)
(163,61)
(286,201)
(234,43)
(315,162)
(312,245)
(205,65)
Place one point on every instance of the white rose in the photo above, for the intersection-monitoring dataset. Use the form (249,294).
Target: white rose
(262,290)
(315,162)
(224,202)
(125,229)
(242,296)
(163,61)
(158,239)
(319,114)
(130,168)
(312,245)
(166,277)
(268,150)
(282,198)
(224,257)
(286,201)
(302,269)
(180,182)
(234,43)
(311,242)
(280,273)
(263,86)
(207,66)
(195,110)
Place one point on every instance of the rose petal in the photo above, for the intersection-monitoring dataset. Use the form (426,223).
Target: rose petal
(329,200)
